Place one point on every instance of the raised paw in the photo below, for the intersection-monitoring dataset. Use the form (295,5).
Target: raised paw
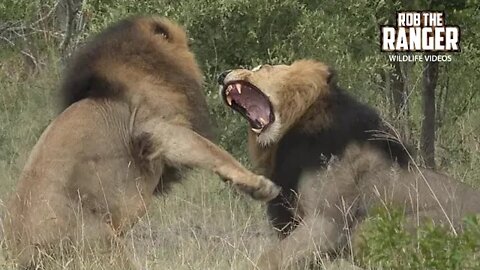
(265,189)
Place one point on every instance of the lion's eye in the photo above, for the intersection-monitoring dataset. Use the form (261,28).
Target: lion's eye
(257,68)
(160,30)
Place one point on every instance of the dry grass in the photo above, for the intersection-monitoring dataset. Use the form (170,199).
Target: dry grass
(201,224)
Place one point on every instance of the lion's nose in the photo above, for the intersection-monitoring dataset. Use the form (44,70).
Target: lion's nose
(222,76)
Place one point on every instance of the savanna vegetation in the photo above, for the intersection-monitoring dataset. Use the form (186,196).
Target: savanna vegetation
(204,225)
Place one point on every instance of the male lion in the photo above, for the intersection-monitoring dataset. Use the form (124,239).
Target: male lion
(336,201)
(299,118)
(135,114)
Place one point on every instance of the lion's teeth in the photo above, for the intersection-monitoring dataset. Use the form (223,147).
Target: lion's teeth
(262,121)
(229,100)
(229,89)
(257,130)
(239,88)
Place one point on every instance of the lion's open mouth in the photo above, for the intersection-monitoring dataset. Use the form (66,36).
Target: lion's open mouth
(250,102)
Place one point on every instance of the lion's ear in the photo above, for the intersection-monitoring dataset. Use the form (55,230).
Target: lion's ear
(331,76)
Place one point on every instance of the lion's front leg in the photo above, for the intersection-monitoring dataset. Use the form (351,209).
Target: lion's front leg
(180,145)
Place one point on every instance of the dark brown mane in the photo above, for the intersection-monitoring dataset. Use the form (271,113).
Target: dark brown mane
(136,43)
(131,43)
(80,79)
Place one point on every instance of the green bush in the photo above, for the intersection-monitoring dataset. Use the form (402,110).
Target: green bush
(388,243)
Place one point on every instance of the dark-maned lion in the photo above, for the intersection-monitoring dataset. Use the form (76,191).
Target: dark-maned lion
(135,113)
(298,119)
(335,201)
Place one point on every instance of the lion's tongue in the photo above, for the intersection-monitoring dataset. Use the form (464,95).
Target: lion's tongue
(256,107)
(257,115)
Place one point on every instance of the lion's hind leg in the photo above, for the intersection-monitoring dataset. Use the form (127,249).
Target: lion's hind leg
(97,243)
(93,244)
(44,254)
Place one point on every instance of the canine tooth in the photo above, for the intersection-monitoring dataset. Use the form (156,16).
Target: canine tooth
(262,121)
(257,130)
(229,100)
(239,88)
